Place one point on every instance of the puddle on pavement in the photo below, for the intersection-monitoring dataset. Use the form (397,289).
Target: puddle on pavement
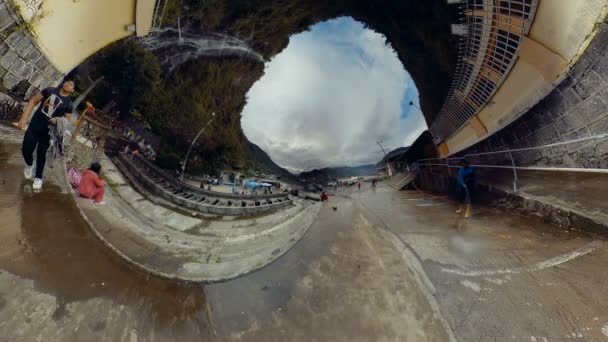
(44,239)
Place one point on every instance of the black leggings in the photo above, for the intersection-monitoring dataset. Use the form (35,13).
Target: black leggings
(30,141)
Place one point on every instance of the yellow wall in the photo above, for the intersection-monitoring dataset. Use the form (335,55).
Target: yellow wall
(564,25)
(70,31)
(143,19)
(564,28)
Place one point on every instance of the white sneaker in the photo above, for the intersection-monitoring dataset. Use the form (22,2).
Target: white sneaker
(99,203)
(37,184)
(28,172)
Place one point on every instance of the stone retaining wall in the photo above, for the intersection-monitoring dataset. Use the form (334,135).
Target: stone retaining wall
(23,66)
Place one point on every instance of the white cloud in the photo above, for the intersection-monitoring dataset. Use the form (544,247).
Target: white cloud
(328,97)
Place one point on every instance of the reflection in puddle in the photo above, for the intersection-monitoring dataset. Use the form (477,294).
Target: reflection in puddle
(44,239)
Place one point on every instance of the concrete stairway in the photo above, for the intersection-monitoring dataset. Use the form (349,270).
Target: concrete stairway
(159,183)
(401,180)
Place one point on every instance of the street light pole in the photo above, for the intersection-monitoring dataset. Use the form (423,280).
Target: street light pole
(181,177)
(388,165)
(383,151)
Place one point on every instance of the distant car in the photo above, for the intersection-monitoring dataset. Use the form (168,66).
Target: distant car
(314,187)
(332,184)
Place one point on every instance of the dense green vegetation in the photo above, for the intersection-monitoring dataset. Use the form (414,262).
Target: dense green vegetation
(176,104)
(179,104)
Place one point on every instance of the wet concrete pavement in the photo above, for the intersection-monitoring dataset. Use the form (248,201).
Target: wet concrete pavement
(494,277)
(385,266)
(502,277)
(57,283)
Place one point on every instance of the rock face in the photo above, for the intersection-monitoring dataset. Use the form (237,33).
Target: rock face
(419,31)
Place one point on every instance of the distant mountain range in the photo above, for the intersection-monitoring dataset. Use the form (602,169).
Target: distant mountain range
(330,173)
(322,176)
(266,165)
(392,154)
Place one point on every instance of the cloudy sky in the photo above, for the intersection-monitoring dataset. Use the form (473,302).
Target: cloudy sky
(327,98)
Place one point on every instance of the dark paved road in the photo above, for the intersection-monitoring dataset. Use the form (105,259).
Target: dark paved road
(385,266)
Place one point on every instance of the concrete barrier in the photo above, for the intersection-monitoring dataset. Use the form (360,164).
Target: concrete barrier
(160,184)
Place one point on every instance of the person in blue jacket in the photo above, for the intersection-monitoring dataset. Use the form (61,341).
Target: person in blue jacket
(466,185)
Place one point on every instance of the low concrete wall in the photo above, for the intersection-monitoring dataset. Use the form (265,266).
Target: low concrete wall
(203,192)
(21,61)
(440,182)
(206,204)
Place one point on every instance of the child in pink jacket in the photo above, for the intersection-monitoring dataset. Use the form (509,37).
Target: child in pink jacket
(91,186)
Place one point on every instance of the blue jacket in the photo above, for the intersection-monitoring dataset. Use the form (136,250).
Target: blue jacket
(465,172)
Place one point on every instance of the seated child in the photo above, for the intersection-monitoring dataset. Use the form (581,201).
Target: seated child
(91,186)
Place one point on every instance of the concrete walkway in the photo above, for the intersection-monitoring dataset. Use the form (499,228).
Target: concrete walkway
(174,245)
(386,266)
(494,277)
(577,192)
(179,245)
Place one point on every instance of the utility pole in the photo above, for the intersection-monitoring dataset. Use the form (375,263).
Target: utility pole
(388,165)
(382,148)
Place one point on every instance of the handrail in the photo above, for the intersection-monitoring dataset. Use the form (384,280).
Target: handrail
(528,168)
(595,137)
(494,32)
(426,162)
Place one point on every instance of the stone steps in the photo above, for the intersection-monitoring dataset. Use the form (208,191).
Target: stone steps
(401,180)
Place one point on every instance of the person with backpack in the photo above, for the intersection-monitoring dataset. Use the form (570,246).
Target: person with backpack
(466,185)
(91,186)
(54,103)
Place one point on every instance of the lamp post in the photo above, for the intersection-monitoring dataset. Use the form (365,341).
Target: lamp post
(181,177)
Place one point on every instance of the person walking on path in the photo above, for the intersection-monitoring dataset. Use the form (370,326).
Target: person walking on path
(54,103)
(91,186)
(359,185)
(466,184)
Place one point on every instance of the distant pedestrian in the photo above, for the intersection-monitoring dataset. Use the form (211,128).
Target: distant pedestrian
(324,196)
(54,103)
(91,186)
(466,185)
(359,185)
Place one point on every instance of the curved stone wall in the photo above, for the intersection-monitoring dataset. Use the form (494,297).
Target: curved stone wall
(196,199)
(23,66)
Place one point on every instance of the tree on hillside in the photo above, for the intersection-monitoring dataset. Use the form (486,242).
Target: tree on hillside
(132,73)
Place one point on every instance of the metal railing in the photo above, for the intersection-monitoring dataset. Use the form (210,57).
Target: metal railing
(487,54)
(515,168)
(159,12)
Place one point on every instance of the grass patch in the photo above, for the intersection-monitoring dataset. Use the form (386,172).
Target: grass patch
(114,186)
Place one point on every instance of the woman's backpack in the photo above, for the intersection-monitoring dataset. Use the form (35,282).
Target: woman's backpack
(74,177)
